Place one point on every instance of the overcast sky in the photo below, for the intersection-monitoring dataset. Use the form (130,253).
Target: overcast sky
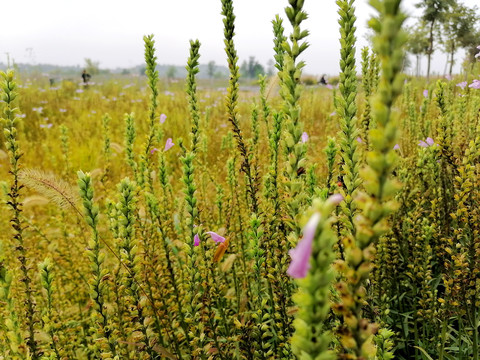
(65,32)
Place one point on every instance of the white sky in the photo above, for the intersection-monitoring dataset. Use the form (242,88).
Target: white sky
(65,32)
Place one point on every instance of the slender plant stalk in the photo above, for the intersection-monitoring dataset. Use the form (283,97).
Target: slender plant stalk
(231,102)
(10,122)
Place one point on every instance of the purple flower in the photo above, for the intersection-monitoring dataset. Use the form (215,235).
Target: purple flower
(428,142)
(153,150)
(329,86)
(333,113)
(335,199)
(163,117)
(448,77)
(46,126)
(168,144)
(301,254)
(462,84)
(196,240)
(215,237)
(396,147)
(425,93)
(359,140)
(475,84)
(304,137)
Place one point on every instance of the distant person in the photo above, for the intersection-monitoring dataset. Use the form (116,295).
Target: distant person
(323,81)
(86,77)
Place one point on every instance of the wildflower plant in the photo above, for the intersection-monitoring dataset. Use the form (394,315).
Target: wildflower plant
(10,122)
(231,101)
(347,109)
(312,339)
(295,149)
(356,333)
(222,241)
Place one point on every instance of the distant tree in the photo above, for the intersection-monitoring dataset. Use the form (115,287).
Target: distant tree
(433,13)
(211,69)
(244,69)
(92,67)
(472,46)
(270,67)
(171,72)
(252,68)
(458,30)
(417,44)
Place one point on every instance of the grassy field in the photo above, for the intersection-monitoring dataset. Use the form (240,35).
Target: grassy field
(142,219)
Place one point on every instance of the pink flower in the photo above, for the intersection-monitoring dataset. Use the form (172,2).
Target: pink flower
(422,143)
(396,147)
(425,93)
(168,144)
(448,77)
(301,254)
(163,117)
(215,237)
(359,140)
(462,84)
(475,84)
(430,141)
(333,113)
(153,150)
(196,240)
(304,137)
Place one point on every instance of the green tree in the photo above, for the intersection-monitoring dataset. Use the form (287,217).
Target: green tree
(458,30)
(252,68)
(417,44)
(171,72)
(472,46)
(92,67)
(270,67)
(433,14)
(211,69)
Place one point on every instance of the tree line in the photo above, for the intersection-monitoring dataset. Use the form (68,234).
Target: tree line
(445,25)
